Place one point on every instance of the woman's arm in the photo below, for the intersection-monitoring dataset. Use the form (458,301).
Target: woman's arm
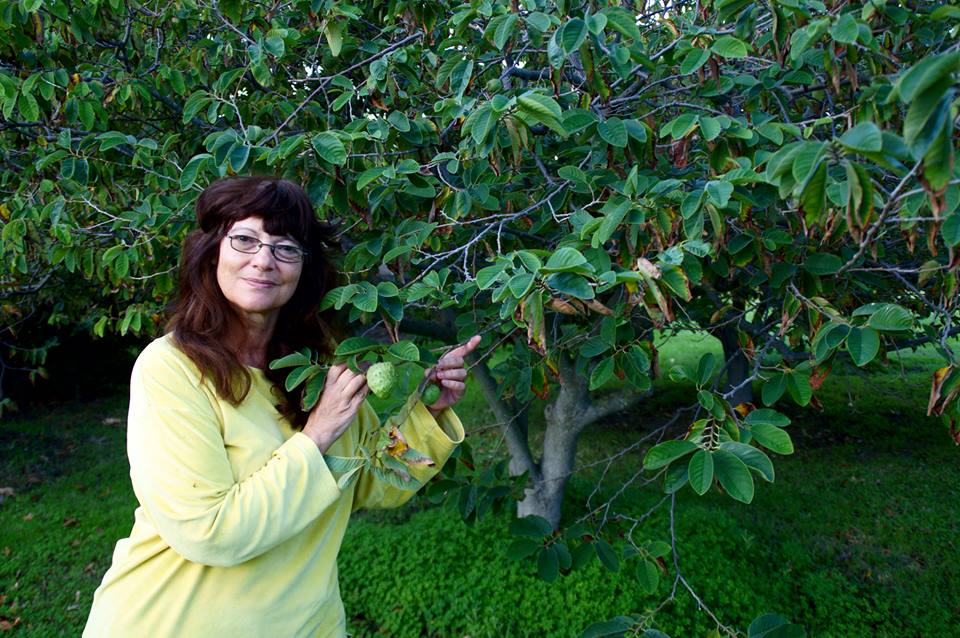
(436,438)
(183,478)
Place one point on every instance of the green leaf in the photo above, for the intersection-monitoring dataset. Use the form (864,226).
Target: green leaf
(623,21)
(729,47)
(864,138)
(189,174)
(733,475)
(773,438)
(571,284)
(845,30)
(238,157)
(922,76)
(531,526)
(700,471)
(505,30)
(648,576)
(538,21)
(572,35)
(29,109)
(709,127)
(368,299)
(950,230)
(767,417)
(752,457)
(294,359)
(798,387)
(548,565)
(330,148)
(774,626)
(602,373)
(863,345)
(607,555)
(596,23)
(613,132)
(891,318)
(939,158)
(693,60)
(719,192)
(926,117)
(542,109)
(822,264)
(405,351)
(299,375)
(356,345)
(565,258)
(522,548)
(666,452)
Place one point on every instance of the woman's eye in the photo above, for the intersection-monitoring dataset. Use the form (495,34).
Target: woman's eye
(243,239)
(287,250)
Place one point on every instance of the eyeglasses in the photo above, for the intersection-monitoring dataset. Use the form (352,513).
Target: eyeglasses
(282,252)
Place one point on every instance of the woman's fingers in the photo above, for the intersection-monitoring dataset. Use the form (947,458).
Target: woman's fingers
(354,385)
(334,373)
(453,385)
(450,362)
(457,373)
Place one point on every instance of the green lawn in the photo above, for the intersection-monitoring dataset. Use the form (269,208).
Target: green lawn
(857,537)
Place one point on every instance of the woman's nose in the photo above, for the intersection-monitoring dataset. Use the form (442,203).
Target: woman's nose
(263,258)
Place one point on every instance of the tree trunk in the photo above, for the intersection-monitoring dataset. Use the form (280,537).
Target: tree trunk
(544,497)
(566,417)
(738,367)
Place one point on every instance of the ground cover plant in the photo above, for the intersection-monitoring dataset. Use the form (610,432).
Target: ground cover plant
(572,180)
(855,538)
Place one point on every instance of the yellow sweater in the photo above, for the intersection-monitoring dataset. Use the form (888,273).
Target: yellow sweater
(240,520)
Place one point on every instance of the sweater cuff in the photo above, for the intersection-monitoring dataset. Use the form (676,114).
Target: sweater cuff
(446,421)
(314,459)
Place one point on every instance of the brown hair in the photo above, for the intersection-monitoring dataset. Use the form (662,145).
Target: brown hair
(202,319)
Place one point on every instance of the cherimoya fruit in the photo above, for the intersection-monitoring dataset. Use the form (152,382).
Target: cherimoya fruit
(381,379)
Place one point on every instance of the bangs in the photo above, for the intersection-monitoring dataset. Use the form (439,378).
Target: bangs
(281,204)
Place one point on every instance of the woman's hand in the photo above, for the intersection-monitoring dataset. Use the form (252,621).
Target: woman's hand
(449,374)
(343,393)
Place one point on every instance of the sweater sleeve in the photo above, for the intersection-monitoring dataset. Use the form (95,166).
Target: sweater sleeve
(436,438)
(182,475)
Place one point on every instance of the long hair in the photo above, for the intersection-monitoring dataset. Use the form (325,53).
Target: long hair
(201,318)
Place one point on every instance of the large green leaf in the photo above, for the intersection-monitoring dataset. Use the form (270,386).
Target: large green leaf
(700,471)
(926,117)
(667,452)
(572,35)
(752,457)
(613,132)
(728,46)
(891,318)
(930,71)
(733,475)
(863,345)
(330,148)
(571,284)
(864,137)
(772,437)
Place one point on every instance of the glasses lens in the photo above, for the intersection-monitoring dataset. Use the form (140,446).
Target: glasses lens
(244,244)
(285,252)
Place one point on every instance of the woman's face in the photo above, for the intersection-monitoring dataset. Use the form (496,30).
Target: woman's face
(257,285)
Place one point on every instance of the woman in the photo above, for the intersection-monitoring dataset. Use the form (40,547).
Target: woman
(240,520)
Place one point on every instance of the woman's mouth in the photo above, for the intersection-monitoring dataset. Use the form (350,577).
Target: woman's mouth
(260,283)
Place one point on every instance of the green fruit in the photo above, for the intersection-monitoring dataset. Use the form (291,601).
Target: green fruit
(430,395)
(382,379)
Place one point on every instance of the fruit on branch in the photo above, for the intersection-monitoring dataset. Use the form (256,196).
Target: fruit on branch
(430,394)
(382,379)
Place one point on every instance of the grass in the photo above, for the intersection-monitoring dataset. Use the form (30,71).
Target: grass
(857,536)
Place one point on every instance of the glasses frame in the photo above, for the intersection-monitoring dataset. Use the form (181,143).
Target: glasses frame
(273,249)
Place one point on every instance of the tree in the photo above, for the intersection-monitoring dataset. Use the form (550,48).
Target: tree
(568,179)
